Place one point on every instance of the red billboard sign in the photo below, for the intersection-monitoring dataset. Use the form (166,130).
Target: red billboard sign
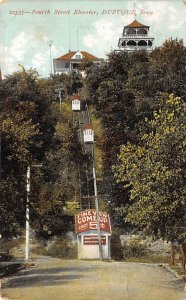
(93,240)
(87,220)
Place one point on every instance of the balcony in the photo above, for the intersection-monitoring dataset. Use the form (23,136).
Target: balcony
(63,70)
(136,37)
(141,36)
(135,48)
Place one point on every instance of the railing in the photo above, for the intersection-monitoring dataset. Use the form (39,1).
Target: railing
(64,70)
(136,35)
(133,48)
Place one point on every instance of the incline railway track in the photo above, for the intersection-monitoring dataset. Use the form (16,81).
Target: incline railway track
(86,185)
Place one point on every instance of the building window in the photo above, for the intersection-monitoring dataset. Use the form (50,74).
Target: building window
(59,65)
(131,43)
(130,31)
(142,43)
(142,31)
(78,56)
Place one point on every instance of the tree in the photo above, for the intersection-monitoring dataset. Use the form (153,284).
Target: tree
(27,132)
(35,131)
(71,82)
(59,184)
(118,90)
(126,90)
(154,172)
(167,71)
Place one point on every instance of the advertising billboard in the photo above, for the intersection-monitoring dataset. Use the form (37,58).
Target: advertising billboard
(87,220)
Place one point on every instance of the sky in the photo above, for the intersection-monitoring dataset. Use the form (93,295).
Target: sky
(28,27)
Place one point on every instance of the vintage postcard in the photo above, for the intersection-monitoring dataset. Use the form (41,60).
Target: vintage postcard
(92,137)
(30,28)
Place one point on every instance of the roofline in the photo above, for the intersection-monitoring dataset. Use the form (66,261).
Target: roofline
(87,126)
(139,26)
(72,53)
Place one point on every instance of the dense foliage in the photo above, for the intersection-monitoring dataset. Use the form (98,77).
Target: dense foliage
(154,172)
(36,133)
(128,88)
(138,100)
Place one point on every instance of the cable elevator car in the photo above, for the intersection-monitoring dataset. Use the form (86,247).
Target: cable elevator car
(76,103)
(88,133)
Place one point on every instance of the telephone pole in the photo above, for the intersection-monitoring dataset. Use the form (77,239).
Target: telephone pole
(27,214)
(97,207)
(27,237)
(50,46)
(59,90)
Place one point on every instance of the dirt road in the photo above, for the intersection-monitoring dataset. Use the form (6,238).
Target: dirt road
(82,280)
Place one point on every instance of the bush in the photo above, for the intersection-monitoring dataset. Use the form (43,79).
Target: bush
(62,247)
(116,247)
(5,256)
(8,245)
(134,249)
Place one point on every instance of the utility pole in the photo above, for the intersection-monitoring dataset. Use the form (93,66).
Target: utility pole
(1,108)
(27,214)
(59,98)
(0,159)
(50,45)
(97,207)
(77,40)
(59,90)
(27,237)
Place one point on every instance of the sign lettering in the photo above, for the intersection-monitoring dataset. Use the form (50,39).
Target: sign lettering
(93,240)
(87,220)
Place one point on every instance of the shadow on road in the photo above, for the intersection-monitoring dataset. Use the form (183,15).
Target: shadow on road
(45,277)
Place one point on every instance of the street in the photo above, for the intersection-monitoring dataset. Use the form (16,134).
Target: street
(92,280)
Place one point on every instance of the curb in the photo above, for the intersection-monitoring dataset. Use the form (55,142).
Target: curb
(174,273)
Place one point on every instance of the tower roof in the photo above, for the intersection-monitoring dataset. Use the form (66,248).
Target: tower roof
(136,24)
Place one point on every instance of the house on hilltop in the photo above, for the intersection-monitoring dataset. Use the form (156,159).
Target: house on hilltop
(71,60)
